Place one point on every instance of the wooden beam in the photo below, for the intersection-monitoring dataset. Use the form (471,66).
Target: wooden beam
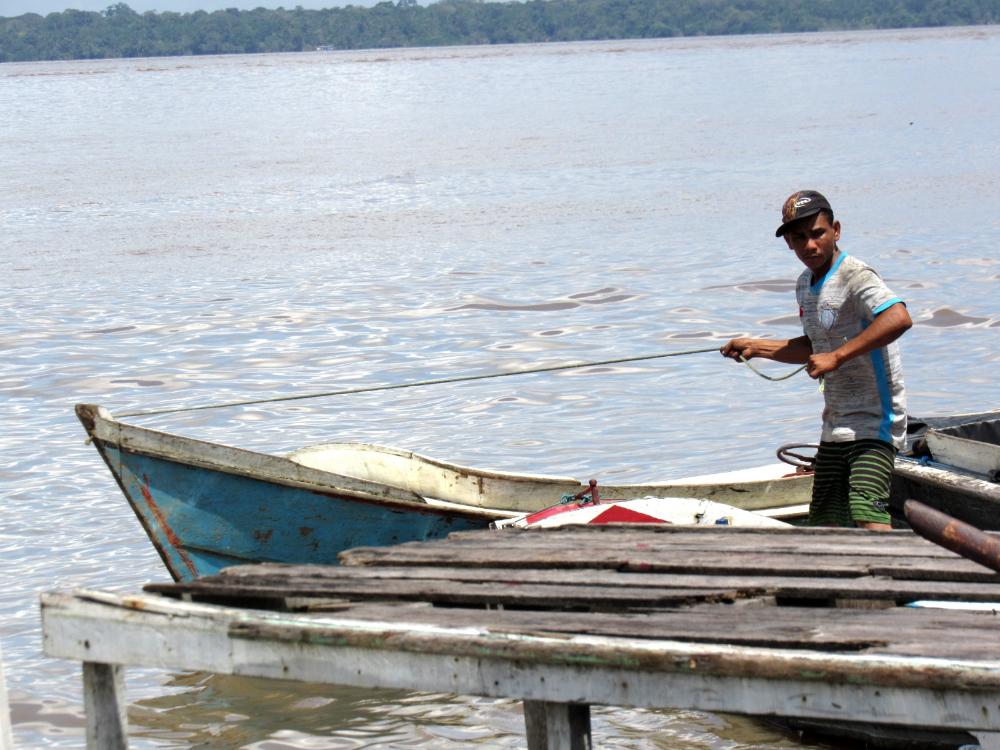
(104,704)
(568,726)
(150,631)
(535,727)
(557,726)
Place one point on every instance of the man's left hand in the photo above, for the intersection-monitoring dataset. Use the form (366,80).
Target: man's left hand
(820,364)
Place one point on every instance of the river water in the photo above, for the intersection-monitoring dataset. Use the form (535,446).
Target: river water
(198,230)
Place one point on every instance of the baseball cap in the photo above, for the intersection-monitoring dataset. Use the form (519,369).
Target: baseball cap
(799,205)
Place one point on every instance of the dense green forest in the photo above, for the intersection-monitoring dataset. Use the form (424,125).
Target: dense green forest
(121,32)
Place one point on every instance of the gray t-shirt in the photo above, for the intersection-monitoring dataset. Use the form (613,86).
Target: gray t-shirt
(865,397)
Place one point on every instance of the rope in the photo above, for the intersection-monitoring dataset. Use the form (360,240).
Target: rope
(768,377)
(440,381)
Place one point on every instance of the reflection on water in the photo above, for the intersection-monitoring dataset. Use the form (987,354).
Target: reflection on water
(573,301)
(47,718)
(198,231)
(946,318)
(223,712)
(784,286)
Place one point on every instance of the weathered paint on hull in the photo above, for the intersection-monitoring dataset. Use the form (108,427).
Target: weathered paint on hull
(202,520)
(963,496)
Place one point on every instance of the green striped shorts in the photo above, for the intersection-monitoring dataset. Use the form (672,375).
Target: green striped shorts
(852,482)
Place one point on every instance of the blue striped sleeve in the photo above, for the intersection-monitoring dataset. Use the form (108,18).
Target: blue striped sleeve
(886,305)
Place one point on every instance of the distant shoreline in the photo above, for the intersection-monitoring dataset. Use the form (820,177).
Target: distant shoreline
(120,32)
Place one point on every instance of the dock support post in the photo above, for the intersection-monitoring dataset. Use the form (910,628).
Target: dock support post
(6,736)
(987,740)
(104,704)
(557,726)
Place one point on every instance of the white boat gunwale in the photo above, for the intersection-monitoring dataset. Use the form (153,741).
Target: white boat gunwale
(948,479)
(105,429)
(759,488)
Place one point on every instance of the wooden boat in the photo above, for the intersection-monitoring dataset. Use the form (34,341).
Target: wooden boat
(954,466)
(206,506)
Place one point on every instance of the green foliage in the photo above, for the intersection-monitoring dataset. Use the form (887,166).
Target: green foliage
(119,31)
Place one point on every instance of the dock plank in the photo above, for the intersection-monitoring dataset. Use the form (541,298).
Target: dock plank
(800,587)
(833,551)
(510,593)
(400,631)
(791,541)
(899,631)
(675,560)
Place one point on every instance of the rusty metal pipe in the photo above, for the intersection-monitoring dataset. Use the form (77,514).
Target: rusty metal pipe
(592,491)
(950,533)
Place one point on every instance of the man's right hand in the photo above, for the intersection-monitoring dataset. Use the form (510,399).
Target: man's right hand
(736,348)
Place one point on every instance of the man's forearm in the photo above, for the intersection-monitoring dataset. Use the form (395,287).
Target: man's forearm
(886,328)
(793,351)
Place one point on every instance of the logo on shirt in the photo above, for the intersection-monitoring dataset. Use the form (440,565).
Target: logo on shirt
(827,317)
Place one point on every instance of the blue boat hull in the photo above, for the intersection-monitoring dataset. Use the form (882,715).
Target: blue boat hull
(201,520)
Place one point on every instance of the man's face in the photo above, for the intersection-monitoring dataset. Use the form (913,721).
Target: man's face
(814,240)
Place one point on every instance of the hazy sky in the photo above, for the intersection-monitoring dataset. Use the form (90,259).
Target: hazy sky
(10,8)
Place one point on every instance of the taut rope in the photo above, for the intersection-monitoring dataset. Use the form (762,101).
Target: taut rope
(439,381)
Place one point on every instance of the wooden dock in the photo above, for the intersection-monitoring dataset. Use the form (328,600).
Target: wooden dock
(798,623)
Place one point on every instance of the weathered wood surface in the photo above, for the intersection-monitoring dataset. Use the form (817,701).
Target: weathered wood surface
(457,592)
(568,586)
(897,630)
(814,587)
(711,619)
(104,704)
(555,667)
(284,581)
(646,549)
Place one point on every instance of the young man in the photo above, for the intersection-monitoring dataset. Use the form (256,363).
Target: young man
(851,321)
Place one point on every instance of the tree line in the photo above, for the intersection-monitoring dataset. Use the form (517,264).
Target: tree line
(119,31)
